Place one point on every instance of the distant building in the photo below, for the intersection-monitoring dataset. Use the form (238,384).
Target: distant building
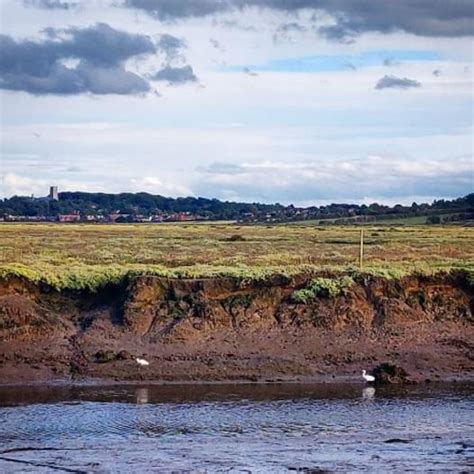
(53,193)
(74,217)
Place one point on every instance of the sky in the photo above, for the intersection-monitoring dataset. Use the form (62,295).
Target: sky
(293,101)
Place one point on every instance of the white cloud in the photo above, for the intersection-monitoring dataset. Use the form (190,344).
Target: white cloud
(20,185)
(154,185)
(389,178)
(13,184)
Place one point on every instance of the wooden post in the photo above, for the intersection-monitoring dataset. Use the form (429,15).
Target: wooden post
(361,250)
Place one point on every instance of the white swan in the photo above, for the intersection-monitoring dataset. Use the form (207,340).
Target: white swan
(142,362)
(367,377)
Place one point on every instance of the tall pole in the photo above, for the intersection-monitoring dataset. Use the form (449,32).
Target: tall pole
(361,249)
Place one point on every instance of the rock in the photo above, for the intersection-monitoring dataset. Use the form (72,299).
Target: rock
(124,355)
(388,374)
(104,356)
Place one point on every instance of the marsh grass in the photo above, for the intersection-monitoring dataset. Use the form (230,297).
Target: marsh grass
(322,288)
(85,256)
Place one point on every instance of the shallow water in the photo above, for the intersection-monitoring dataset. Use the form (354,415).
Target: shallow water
(236,428)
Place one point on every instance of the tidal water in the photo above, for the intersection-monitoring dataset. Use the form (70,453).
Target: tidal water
(236,428)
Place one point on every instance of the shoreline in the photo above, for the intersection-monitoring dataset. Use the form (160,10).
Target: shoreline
(338,380)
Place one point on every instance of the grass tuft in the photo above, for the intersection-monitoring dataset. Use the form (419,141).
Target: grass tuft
(322,288)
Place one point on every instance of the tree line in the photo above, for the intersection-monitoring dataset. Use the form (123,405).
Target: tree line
(90,204)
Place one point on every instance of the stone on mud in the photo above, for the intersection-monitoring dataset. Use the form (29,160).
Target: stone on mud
(104,356)
(388,374)
(124,355)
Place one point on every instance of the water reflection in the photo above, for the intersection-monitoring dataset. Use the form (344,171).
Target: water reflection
(368,393)
(142,395)
(181,393)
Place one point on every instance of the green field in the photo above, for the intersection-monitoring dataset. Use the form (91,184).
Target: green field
(397,221)
(86,255)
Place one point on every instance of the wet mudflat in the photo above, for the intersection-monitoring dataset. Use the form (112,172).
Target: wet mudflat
(236,428)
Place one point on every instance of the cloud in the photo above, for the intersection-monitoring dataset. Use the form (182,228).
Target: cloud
(175,75)
(333,180)
(388,62)
(102,45)
(155,185)
(74,169)
(170,10)
(51,4)
(236,25)
(38,67)
(249,72)
(171,45)
(19,185)
(14,184)
(286,31)
(214,43)
(111,80)
(393,82)
(437,72)
(448,18)
(219,168)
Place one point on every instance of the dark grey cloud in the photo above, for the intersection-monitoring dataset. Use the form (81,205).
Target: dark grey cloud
(103,45)
(337,32)
(420,17)
(448,18)
(175,75)
(40,66)
(170,10)
(393,82)
(171,46)
(51,4)
(437,72)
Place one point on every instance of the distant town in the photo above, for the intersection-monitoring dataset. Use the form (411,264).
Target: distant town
(97,214)
(69,207)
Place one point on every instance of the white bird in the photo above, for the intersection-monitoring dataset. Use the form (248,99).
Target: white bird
(142,362)
(367,377)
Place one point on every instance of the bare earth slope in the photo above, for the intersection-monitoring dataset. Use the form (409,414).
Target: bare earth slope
(221,329)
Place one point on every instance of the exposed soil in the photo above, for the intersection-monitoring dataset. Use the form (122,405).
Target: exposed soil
(218,329)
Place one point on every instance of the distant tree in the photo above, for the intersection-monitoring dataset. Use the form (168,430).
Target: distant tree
(214,209)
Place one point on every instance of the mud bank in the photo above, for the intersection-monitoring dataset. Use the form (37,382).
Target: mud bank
(223,329)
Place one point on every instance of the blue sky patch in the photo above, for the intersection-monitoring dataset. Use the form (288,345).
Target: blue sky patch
(338,62)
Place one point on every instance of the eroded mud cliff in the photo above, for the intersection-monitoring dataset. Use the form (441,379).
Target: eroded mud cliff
(225,329)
